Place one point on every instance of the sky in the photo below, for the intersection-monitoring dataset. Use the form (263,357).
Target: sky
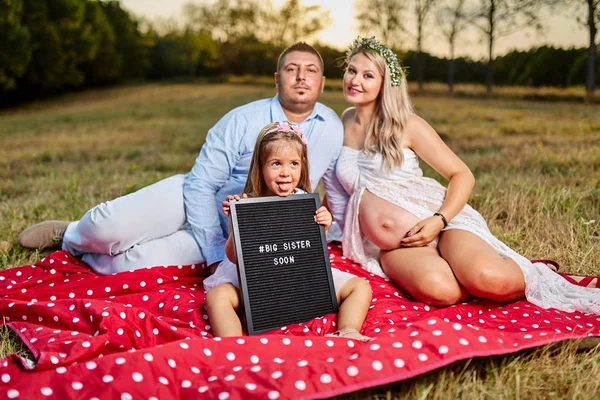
(561,31)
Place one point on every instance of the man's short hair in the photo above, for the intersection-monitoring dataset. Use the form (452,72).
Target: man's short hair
(302,47)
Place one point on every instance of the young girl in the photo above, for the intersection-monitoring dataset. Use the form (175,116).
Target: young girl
(279,167)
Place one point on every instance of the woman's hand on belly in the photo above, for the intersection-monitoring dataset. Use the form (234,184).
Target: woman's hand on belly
(423,232)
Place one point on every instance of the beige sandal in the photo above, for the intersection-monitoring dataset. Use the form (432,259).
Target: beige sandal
(350,334)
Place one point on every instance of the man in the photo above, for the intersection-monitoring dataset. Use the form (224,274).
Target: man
(178,221)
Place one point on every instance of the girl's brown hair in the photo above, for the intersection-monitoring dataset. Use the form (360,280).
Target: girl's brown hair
(270,139)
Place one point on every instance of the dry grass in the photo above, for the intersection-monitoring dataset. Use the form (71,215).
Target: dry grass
(537,166)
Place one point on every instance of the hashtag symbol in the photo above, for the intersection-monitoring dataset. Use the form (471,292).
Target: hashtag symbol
(261,249)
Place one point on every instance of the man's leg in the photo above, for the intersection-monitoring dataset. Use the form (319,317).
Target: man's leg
(179,248)
(115,226)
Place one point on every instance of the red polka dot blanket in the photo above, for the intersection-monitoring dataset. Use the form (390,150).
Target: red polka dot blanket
(145,334)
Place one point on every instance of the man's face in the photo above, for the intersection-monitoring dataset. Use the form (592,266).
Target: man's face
(300,81)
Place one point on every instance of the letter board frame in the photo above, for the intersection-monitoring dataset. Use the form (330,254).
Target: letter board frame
(290,281)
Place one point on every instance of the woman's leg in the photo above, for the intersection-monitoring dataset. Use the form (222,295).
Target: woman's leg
(423,274)
(479,268)
(354,299)
(222,304)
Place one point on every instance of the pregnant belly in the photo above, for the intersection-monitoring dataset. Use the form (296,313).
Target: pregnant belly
(382,222)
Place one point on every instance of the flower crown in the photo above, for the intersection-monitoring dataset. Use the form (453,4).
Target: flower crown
(396,70)
(286,127)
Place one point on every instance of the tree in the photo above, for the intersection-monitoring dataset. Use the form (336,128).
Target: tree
(293,22)
(422,9)
(452,21)
(226,20)
(382,18)
(497,18)
(591,10)
(15,46)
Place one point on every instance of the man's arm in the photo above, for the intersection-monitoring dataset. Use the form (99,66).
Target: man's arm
(211,171)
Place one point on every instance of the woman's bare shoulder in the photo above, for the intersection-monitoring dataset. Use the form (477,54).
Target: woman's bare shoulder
(348,115)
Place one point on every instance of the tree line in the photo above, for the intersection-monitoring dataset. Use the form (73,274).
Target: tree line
(50,46)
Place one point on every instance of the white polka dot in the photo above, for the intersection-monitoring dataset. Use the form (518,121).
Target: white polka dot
(482,339)
(172,363)
(302,363)
(61,370)
(308,343)
(223,396)
(273,395)
(239,341)
(54,360)
(90,365)
(137,377)
(195,370)
(120,331)
(148,357)
(107,289)
(417,344)
(86,344)
(184,345)
(77,385)
(230,356)
(352,370)
(90,292)
(276,374)
(5,378)
(207,352)
(437,333)
(53,298)
(107,379)
(397,345)
(229,378)
(145,298)
(300,385)
(142,283)
(13,393)
(186,384)
(375,347)
(254,359)
(377,365)
(463,341)
(432,322)
(159,281)
(120,361)
(264,340)
(250,386)
(46,391)
(127,396)
(443,350)
(163,380)
(155,331)
(350,343)
(457,326)
(286,341)
(422,357)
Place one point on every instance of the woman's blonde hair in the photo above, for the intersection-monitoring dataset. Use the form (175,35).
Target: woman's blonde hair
(392,109)
(271,138)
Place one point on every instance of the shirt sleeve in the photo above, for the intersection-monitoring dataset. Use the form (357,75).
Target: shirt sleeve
(211,171)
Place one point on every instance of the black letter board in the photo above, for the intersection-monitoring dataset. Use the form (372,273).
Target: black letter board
(283,264)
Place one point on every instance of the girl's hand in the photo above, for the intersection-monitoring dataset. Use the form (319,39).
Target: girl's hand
(323,217)
(423,232)
(226,205)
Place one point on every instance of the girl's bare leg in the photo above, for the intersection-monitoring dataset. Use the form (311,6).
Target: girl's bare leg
(354,299)
(479,268)
(222,304)
(424,274)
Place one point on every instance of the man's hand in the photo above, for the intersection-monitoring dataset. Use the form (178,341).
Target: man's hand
(423,232)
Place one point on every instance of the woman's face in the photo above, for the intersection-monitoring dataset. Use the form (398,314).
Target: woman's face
(362,81)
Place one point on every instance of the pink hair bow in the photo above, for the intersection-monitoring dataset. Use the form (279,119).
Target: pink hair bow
(286,127)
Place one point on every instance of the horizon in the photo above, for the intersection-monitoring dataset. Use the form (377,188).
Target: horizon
(559,31)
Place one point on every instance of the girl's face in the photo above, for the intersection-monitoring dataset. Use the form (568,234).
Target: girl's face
(281,170)
(362,81)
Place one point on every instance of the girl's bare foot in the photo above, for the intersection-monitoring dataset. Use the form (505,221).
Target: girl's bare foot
(350,334)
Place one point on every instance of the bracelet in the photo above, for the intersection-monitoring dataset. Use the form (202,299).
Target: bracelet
(444,220)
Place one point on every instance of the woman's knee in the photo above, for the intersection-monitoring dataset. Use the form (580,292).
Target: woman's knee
(496,282)
(440,290)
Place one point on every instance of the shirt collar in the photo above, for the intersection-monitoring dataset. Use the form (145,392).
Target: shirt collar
(277,113)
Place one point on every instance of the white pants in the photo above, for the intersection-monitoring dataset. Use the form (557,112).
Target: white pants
(139,230)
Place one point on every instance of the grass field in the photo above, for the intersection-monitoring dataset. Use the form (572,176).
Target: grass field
(537,166)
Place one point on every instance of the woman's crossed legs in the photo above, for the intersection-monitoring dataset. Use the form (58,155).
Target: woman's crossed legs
(462,266)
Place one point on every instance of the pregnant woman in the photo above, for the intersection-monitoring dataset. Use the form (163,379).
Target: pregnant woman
(423,236)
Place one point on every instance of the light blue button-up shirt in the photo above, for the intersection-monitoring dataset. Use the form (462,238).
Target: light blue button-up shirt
(222,167)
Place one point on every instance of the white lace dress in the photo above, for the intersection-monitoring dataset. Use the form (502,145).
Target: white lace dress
(406,187)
